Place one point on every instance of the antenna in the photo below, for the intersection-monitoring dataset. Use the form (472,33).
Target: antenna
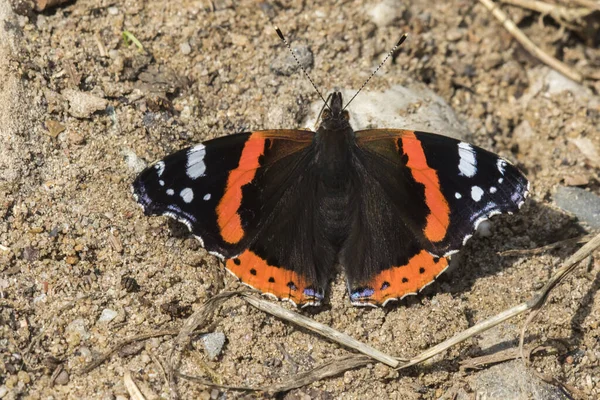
(300,65)
(400,41)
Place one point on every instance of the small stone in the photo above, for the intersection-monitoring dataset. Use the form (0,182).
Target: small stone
(23,377)
(454,35)
(83,104)
(524,135)
(30,253)
(76,331)
(54,127)
(286,65)
(484,229)
(385,13)
(3,391)
(492,61)
(62,378)
(576,180)
(107,315)
(85,352)
(113,10)
(72,260)
(587,148)
(11,381)
(585,205)
(239,40)
(134,163)
(76,138)
(185,48)
(213,344)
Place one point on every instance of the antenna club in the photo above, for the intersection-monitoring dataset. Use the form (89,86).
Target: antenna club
(279,33)
(402,39)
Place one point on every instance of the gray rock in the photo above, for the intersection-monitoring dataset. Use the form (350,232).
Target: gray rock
(83,104)
(107,315)
(583,204)
(413,107)
(386,12)
(512,380)
(285,64)
(213,344)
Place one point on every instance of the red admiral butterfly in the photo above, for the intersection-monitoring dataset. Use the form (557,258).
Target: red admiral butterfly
(282,207)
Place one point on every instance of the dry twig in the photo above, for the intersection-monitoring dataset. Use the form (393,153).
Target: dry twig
(518,34)
(323,330)
(548,247)
(534,303)
(91,366)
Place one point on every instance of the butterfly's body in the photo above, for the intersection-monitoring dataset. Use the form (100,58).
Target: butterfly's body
(283,207)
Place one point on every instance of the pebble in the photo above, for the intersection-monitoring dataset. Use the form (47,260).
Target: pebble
(76,331)
(11,381)
(54,127)
(62,378)
(185,48)
(23,376)
(83,104)
(134,163)
(385,13)
(3,391)
(512,380)
(72,260)
(76,138)
(107,315)
(285,64)
(583,204)
(213,344)
(454,34)
(524,135)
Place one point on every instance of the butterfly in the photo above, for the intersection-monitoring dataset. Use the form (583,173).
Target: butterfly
(282,207)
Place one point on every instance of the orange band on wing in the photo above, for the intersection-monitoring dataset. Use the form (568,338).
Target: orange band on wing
(397,282)
(278,281)
(228,217)
(439,215)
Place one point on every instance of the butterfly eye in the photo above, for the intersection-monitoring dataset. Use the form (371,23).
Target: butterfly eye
(326,114)
(345,115)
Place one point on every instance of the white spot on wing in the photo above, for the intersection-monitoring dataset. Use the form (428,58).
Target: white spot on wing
(161,182)
(160,168)
(467,165)
(206,197)
(187,195)
(500,180)
(195,162)
(476,193)
(493,190)
(501,164)
(170,192)
(458,195)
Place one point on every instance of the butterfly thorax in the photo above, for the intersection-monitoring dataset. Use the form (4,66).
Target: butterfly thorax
(333,144)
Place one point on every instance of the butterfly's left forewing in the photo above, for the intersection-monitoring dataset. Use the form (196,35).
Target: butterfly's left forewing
(233,193)
(431,193)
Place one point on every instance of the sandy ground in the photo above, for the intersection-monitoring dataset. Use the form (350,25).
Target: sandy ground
(71,231)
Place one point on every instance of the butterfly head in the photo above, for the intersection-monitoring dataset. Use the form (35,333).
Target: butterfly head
(334,116)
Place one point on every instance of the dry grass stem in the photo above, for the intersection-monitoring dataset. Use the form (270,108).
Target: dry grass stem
(91,366)
(132,388)
(534,303)
(543,249)
(323,330)
(518,34)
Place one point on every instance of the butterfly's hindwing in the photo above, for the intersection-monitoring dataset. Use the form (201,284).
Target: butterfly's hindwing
(421,197)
